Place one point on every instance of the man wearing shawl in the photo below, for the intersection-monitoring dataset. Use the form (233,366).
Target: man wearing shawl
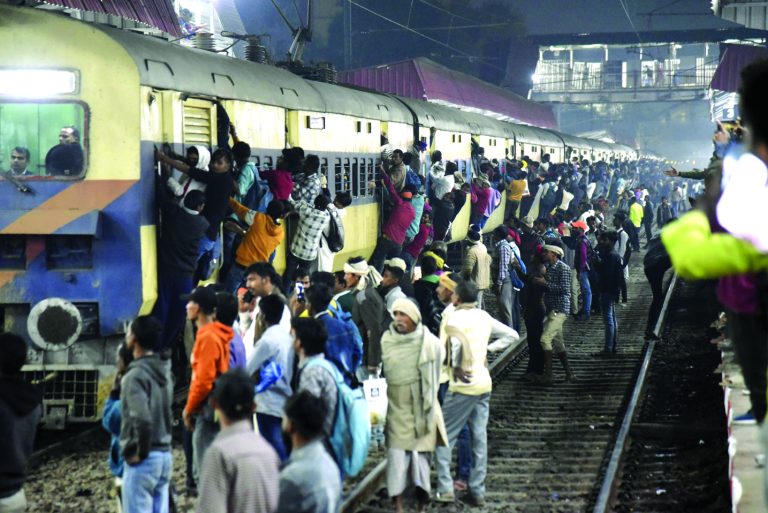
(412,358)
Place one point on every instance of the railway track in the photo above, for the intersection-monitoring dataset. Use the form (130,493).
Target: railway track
(676,457)
(548,445)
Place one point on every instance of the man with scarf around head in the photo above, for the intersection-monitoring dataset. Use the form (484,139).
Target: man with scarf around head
(412,358)
(466,335)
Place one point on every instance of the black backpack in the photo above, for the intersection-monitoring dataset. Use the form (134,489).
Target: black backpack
(335,238)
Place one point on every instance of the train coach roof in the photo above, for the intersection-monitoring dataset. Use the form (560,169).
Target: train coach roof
(436,116)
(483,125)
(577,142)
(166,65)
(353,102)
(534,135)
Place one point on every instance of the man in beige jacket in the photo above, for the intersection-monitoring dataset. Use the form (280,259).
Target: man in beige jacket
(412,359)
(477,264)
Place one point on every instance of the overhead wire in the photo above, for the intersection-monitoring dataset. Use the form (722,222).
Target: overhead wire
(629,18)
(436,41)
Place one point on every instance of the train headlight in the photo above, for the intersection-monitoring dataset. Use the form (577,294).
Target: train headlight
(54,324)
(37,83)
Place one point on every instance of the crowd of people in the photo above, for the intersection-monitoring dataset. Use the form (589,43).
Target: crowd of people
(287,353)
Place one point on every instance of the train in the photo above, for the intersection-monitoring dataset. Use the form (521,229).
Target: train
(78,250)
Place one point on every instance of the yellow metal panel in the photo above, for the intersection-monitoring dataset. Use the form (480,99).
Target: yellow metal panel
(340,133)
(453,145)
(261,126)
(361,226)
(461,222)
(400,135)
(151,115)
(148,236)
(497,217)
(173,125)
(113,134)
(494,146)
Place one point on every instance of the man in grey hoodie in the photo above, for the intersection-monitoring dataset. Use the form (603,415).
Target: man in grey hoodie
(145,431)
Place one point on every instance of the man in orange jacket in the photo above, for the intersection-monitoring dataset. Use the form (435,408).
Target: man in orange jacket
(210,359)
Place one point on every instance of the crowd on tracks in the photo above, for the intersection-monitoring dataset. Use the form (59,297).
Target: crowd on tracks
(276,417)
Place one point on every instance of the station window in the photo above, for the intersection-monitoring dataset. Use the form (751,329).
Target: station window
(43,139)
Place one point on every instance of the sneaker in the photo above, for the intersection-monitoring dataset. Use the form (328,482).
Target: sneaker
(745,419)
(447,497)
(460,485)
(473,501)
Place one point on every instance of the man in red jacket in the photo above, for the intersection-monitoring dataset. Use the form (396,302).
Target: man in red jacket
(390,243)
(210,359)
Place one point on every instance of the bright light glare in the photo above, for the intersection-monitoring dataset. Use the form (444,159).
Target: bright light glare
(535,78)
(36,83)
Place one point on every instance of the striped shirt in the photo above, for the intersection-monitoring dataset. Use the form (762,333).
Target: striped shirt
(239,473)
(504,251)
(311,224)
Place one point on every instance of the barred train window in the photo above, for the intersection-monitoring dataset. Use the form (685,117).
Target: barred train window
(43,139)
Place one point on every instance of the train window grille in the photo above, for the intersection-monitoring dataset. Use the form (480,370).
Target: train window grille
(76,387)
(13,252)
(371,171)
(267,163)
(338,176)
(197,124)
(357,190)
(69,251)
(347,171)
(256,161)
(324,169)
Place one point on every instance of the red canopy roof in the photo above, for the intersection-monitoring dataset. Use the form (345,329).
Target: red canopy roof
(156,13)
(424,79)
(727,76)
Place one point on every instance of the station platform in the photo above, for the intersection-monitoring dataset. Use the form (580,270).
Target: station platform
(745,446)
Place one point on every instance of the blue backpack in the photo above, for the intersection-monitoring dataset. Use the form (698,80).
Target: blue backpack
(351,433)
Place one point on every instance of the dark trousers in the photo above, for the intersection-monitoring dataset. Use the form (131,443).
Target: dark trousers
(511,210)
(170,310)
(534,326)
(385,249)
(634,237)
(655,276)
(648,232)
(749,334)
(294,266)
(270,429)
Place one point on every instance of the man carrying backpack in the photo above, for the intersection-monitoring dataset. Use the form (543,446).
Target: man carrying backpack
(347,424)
(332,240)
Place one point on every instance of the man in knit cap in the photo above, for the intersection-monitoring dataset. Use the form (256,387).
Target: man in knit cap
(412,359)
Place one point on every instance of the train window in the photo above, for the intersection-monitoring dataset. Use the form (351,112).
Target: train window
(324,169)
(13,252)
(534,149)
(370,173)
(370,127)
(338,176)
(43,139)
(359,127)
(459,137)
(453,138)
(267,163)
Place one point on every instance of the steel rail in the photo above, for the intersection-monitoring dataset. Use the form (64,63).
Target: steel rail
(608,487)
(368,486)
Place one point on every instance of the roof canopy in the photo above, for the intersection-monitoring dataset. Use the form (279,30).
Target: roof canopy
(727,77)
(156,13)
(424,79)
(653,21)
